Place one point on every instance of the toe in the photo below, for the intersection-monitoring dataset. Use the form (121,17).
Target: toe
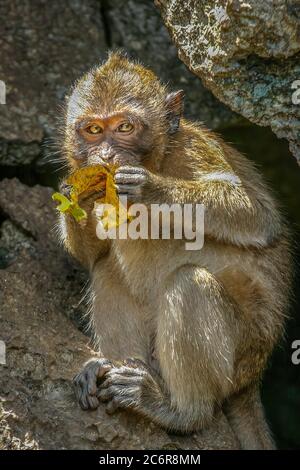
(92,401)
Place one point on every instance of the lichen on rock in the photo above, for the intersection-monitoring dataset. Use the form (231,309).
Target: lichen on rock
(247,53)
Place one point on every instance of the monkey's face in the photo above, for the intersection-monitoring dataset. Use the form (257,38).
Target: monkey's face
(119,138)
(120,114)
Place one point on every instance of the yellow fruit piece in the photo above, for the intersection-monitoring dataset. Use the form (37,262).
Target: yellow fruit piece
(92,179)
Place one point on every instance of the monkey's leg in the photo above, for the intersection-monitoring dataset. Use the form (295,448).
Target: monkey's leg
(195,351)
(119,332)
(246,416)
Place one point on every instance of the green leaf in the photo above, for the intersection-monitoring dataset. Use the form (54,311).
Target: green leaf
(69,206)
(78,213)
(65,203)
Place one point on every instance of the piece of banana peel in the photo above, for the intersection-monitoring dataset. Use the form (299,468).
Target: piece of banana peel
(90,180)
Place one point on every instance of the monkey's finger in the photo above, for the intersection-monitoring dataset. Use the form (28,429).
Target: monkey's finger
(65,188)
(91,382)
(128,370)
(121,402)
(120,379)
(118,391)
(81,394)
(123,371)
(94,373)
(80,383)
(129,178)
(127,189)
(111,392)
(85,400)
(77,386)
(92,388)
(130,169)
(85,383)
(93,402)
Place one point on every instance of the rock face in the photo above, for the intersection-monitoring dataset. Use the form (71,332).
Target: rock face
(41,54)
(247,53)
(41,291)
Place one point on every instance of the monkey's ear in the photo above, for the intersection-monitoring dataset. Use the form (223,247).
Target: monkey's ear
(174,108)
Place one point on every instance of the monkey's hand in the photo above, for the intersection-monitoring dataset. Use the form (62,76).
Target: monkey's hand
(86,199)
(132,385)
(87,381)
(134,182)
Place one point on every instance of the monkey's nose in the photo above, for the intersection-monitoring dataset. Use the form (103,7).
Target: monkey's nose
(106,154)
(103,156)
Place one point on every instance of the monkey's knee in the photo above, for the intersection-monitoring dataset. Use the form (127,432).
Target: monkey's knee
(87,381)
(190,276)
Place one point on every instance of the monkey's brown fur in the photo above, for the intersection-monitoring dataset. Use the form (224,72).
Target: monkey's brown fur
(199,324)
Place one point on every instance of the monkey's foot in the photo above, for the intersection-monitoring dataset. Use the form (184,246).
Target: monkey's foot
(87,381)
(128,386)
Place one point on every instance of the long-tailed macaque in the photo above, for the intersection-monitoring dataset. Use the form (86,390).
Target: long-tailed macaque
(180,333)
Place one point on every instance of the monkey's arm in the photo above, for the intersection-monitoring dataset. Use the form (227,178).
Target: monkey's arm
(236,212)
(232,212)
(82,241)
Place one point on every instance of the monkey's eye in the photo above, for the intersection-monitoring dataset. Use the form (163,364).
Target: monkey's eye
(94,129)
(125,127)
